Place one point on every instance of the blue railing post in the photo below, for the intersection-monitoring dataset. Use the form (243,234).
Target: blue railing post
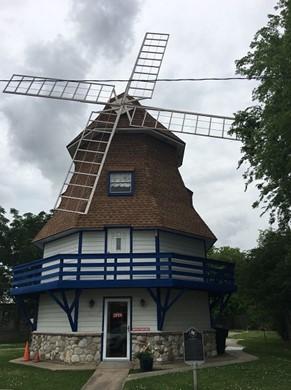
(61,269)
(78,268)
(105,266)
(170,267)
(115,268)
(130,267)
(205,272)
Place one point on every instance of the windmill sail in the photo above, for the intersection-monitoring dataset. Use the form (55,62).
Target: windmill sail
(94,142)
(182,122)
(91,148)
(79,91)
(147,66)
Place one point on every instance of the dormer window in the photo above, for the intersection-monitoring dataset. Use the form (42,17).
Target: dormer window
(120,183)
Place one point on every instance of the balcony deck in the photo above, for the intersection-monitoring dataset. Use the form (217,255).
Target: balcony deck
(71,271)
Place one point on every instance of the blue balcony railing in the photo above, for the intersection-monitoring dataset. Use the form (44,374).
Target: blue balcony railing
(123,270)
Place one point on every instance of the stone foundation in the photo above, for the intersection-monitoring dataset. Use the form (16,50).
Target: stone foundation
(67,348)
(82,348)
(168,346)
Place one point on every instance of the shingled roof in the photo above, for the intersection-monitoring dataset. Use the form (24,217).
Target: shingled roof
(160,199)
(142,121)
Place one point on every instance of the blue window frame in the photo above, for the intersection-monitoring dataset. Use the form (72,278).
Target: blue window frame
(120,183)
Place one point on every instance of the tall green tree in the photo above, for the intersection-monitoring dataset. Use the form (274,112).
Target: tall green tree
(269,278)
(247,307)
(16,247)
(239,303)
(16,235)
(265,127)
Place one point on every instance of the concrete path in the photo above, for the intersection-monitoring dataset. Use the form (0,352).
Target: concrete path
(234,355)
(108,376)
(55,366)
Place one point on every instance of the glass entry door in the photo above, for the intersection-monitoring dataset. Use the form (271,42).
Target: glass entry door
(116,329)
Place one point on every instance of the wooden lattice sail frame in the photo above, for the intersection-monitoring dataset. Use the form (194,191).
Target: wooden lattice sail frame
(94,142)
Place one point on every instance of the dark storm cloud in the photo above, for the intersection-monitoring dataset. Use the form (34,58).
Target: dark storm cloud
(105,26)
(40,128)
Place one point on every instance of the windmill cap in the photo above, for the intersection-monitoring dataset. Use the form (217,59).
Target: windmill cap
(157,130)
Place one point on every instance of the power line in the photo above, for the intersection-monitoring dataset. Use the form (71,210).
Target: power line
(143,80)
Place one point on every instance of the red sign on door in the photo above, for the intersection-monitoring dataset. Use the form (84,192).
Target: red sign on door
(117,315)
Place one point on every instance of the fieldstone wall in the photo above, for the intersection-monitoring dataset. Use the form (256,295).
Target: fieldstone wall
(67,348)
(84,348)
(168,346)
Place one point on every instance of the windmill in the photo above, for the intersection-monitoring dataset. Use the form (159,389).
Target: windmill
(92,146)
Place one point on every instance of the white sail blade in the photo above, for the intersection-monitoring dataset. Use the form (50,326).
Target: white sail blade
(90,151)
(79,91)
(147,66)
(182,122)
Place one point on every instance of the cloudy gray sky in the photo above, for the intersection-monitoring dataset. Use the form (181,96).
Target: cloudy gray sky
(100,39)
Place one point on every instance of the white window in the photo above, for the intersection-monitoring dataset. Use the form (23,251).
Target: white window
(120,183)
(118,243)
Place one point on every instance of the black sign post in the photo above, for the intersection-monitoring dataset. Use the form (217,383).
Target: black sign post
(193,351)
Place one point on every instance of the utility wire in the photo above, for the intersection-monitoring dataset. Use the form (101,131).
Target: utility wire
(141,80)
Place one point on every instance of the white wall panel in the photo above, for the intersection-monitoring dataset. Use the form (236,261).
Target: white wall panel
(93,242)
(51,317)
(68,244)
(191,309)
(170,242)
(143,241)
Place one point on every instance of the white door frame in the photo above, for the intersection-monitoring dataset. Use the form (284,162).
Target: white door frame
(106,301)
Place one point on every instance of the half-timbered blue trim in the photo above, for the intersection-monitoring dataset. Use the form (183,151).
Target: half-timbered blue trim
(71,310)
(157,247)
(163,305)
(80,246)
(131,250)
(69,233)
(80,243)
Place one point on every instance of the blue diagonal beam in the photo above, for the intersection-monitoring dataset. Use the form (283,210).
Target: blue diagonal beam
(168,304)
(56,299)
(163,307)
(72,310)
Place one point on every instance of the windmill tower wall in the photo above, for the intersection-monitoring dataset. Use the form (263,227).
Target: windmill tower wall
(157,216)
(133,270)
(128,266)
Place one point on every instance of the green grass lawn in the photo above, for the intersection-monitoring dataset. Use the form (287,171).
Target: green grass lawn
(271,372)
(17,377)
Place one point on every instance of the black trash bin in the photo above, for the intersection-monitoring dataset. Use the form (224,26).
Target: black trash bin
(221,335)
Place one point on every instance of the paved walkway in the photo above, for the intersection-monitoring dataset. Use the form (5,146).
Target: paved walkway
(234,355)
(55,366)
(108,376)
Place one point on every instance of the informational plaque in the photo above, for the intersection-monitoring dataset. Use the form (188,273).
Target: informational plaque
(193,351)
(193,346)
